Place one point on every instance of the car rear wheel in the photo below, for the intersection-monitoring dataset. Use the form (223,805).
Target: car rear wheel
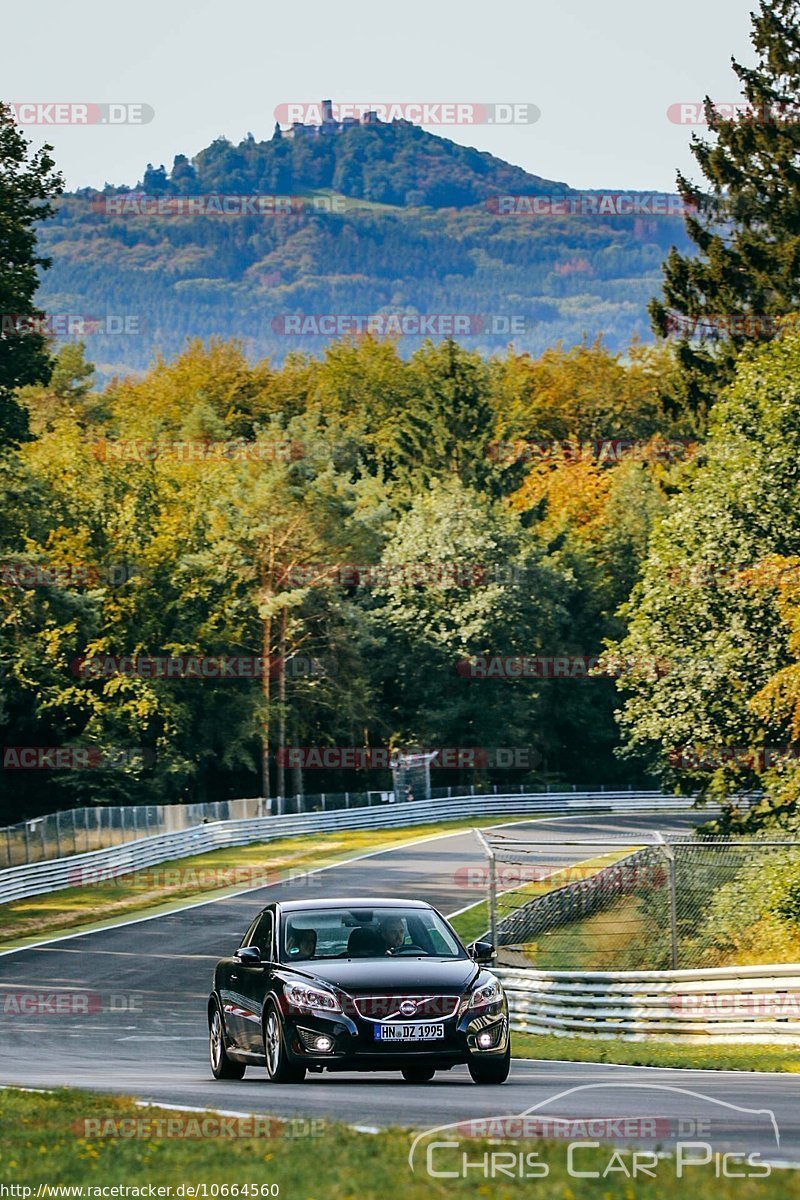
(279,1069)
(418,1074)
(222,1067)
(490,1070)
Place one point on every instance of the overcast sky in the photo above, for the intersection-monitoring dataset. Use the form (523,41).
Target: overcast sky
(603,75)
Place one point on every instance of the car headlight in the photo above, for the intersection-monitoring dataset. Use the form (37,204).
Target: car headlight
(488,992)
(303,995)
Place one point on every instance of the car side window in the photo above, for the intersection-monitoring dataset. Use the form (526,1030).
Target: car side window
(261,935)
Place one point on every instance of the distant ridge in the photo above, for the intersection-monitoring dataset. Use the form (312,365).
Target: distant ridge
(393,163)
(419,242)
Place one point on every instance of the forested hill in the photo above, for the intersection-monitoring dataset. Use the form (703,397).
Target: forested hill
(389,163)
(384,221)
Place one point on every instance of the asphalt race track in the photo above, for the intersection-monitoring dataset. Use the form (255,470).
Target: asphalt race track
(148,983)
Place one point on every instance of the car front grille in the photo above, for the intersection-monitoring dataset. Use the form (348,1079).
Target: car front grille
(404,1007)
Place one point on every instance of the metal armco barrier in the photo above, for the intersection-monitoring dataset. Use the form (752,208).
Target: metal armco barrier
(34,879)
(721,1004)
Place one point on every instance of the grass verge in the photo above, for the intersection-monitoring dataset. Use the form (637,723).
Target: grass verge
(657,1054)
(165,886)
(72,1138)
(474,921)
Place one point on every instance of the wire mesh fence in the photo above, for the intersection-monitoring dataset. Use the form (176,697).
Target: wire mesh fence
(642,901)
(78,830)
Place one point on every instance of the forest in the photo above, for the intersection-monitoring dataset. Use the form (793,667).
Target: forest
(237,574)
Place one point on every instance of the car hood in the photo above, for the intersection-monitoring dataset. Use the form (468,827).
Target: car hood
(405,974)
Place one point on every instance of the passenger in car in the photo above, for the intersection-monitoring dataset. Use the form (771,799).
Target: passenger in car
(302,943)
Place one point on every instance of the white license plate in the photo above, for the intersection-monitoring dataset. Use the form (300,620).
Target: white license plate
(416,1032)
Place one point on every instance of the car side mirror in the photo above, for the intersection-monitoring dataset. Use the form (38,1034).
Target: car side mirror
(482,952)
(250,956)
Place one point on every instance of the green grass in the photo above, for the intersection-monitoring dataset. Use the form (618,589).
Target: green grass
(46,1141)
(727,1057)
(473,922)
(619,937)
(167,885)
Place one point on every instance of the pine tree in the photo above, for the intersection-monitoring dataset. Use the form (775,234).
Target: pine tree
(745,281)
(26,184)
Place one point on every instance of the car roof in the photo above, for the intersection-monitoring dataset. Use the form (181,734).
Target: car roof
(349,902)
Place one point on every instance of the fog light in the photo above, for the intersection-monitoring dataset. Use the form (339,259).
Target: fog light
(485,1040)
(323,1044)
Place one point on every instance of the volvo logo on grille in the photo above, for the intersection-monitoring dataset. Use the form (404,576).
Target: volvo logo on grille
(408,1008)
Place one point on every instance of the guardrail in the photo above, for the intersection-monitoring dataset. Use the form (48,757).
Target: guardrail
(715,1005)
(35,879)
(79,830)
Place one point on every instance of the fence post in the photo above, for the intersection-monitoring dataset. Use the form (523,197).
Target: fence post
(58,834)
(492,887)
(673,899)
(347,799)
(8,843)
(27,842)
(323,801)
(74,833)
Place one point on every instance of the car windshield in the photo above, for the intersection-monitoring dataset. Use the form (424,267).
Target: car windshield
(367,933)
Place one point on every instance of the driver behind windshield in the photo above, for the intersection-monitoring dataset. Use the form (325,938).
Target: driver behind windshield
(393,933)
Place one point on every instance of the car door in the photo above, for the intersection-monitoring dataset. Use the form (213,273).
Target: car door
(233,1001)
(253,980)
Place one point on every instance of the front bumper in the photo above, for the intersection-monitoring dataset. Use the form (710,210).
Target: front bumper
(351,1044)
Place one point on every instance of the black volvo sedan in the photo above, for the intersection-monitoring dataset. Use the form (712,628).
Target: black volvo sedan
(357,985)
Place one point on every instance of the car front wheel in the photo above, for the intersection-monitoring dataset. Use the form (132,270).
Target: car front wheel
(222,1067)
(279,1069)
(490,1070)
